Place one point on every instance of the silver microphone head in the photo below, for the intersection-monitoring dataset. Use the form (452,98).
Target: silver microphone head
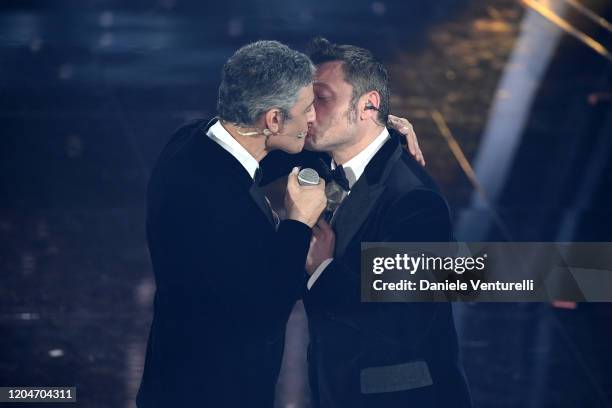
(308,177)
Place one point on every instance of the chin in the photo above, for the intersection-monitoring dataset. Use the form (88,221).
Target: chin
(309,143)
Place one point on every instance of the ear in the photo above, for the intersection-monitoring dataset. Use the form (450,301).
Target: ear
(273,120)
(369,104)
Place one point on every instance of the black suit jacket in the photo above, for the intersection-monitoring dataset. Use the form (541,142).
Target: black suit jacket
(225,280)
(383,354)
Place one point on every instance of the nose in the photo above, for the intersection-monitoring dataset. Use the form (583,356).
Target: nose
(312,116)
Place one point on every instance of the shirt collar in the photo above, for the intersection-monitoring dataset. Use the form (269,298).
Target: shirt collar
(355,167)
(223,138)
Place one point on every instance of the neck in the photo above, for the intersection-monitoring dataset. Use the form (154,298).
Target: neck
(362,139)
(254,144)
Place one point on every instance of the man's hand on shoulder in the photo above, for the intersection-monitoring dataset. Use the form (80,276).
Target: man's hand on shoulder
(405,128)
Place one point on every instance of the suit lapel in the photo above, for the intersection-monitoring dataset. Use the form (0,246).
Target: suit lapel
(357,206)
(230,165)
(260,199)
(353,212)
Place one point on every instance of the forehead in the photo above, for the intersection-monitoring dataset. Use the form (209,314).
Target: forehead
(306,93)
(304,97)
(331,74)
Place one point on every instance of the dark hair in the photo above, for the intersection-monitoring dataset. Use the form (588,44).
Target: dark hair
(261,76)
(361,70)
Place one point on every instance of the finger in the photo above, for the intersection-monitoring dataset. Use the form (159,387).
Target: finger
(409,131)
(292,177)
(411,147)
(420,157)
(405,128)
(327,232)
(410,143)
(418,148)
(399,124)
(324,226)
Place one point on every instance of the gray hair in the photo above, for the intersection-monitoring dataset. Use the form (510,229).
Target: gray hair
(261,76)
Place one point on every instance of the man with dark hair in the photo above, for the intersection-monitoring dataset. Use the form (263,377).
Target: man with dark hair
(227,273)
(361,70)
(372,354)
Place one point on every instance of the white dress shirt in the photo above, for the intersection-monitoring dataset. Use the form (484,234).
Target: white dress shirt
(223,138)
(353,169)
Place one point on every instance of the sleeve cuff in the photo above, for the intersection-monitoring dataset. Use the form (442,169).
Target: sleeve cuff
(295,227)
(315,275)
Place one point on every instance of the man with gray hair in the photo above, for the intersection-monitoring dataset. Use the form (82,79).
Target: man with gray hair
(227,272)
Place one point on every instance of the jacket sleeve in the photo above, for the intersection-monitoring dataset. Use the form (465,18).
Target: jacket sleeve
(215,262)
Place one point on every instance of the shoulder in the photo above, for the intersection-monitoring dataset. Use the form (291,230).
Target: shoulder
(410,189)
(414,209)
(407,175)
(181,139)
(182,158)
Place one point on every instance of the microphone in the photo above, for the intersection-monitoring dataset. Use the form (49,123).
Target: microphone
(308,177)
(268,132)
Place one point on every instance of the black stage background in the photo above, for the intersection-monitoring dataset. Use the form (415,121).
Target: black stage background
(90,90)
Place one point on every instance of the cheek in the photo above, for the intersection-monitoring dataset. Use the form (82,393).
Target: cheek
(336,118)
(326,119)
(290,127)
(299,127)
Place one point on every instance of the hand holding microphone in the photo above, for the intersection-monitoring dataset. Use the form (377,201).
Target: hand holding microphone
(305,197)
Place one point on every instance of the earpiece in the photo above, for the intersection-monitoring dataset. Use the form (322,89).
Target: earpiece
(369,106)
